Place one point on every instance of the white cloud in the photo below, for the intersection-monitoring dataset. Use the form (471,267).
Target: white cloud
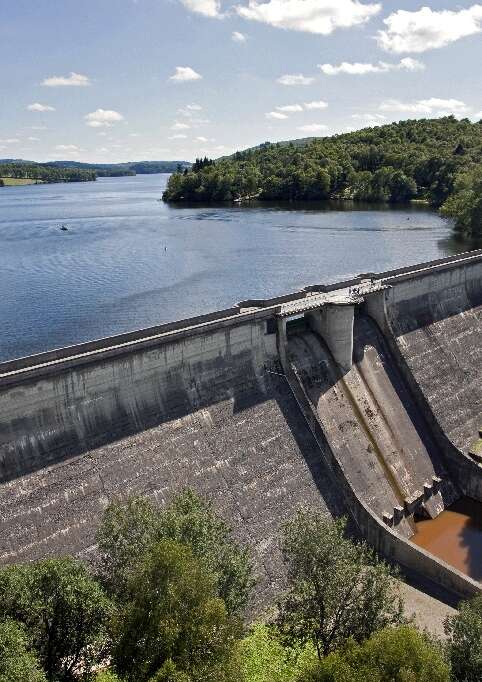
(74,79)
(275,116)
(290,108)
(434,106)
(40,107)
(103,118)
(477,116)
(427,29)
(202,139)
(178,136)
(10,140)
(313,128)
(38,127)
(295,79)
(33,139)
(369,118)
(210,8)
(73,148)
(361,69)
(183,74)
(189,110)
(316,105)
(238,37)
(311,16)
(180,126)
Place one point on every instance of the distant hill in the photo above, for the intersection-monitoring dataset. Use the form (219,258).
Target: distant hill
(108,169)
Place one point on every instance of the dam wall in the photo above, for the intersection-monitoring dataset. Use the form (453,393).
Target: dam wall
(320,398)
(432,320)
(200,409)
(67,403)
(392,545)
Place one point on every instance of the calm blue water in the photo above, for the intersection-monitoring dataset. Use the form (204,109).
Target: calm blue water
(129,261)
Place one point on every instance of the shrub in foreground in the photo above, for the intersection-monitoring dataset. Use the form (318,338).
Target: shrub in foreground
(338,589)
(172,616)
(399,654)
(17,662)
(131,528)
(464,631)
(64,611)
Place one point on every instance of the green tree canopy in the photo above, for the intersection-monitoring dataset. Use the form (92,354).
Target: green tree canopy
(396,162)
(173,617)
(465,204)
(64,612)
(464,631)
(17,661)
(337,589)
(130,528)
(266,658)
(400,654)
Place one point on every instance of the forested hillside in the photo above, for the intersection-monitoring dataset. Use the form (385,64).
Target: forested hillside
(437,160)
(35,171)
(74,171)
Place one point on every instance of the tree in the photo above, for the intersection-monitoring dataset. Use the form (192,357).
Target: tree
(191,520)
(464,632)
(336,589)
(465,205)
(173,614)
(129,529)
(17,662)
(106,676)
(264,657)
(64,611)
(169,672)
(399,654)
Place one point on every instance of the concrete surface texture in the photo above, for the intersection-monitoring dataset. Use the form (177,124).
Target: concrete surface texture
(372,424)
(56,411)
(252,455)
(437,322)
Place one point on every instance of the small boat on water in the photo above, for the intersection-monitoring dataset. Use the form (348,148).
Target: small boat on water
(64,228)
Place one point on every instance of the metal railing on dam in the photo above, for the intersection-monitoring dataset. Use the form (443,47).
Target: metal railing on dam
(360,397)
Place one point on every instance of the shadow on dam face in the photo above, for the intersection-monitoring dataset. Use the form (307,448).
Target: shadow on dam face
(455,536)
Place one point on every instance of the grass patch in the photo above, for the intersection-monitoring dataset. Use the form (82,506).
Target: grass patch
(11,182)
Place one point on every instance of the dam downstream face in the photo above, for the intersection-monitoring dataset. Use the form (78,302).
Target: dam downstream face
(455,536)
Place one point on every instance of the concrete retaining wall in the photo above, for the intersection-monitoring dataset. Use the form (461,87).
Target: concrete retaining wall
(63,407)
(433,324)
(388,543)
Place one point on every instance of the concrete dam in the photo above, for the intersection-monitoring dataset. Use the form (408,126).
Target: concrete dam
(360,398)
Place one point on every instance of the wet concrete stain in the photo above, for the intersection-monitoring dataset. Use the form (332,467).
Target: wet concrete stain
(455,536)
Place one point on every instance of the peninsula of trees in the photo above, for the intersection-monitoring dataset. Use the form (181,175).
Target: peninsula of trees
(435,160)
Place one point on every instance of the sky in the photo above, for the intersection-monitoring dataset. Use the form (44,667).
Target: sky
(118,80)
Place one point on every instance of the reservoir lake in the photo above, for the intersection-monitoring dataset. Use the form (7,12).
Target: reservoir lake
(128,261)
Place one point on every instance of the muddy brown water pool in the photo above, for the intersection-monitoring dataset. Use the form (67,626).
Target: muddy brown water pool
(455,536)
